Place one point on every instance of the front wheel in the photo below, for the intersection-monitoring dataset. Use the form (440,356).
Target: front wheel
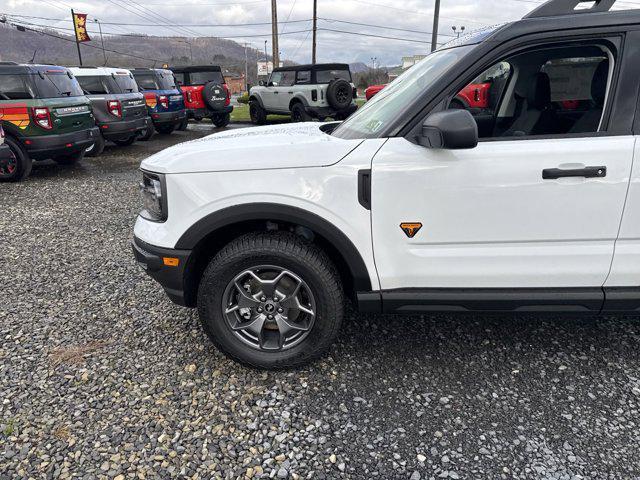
(165,129)
(70,159)
(126,142)
(97,148)
(271,300)
(257,113)
(221,121)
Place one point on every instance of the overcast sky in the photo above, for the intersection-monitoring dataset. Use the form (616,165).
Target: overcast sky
(414,15)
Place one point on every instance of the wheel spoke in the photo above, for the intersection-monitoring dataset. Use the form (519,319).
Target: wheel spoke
(245,299)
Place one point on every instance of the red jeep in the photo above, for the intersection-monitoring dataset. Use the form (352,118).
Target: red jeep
(205,93)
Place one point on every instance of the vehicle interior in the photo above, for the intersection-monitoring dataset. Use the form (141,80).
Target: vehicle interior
(548,91)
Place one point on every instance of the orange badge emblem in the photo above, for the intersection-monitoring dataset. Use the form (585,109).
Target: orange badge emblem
(411,229)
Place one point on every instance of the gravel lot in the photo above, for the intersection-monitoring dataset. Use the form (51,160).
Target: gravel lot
(102,377)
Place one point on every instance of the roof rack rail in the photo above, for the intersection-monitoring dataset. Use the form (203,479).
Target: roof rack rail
(556,8)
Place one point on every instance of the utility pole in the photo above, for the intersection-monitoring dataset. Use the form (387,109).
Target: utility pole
(315,31)
(434,35)
(266,59)
(104,54)
(75,30)
(246,68)
(274,34)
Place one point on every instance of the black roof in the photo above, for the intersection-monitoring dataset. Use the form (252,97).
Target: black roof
(148,70)
(196,68)
(316,67)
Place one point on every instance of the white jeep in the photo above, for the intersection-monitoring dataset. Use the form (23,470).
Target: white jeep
(306,92)
(408,205)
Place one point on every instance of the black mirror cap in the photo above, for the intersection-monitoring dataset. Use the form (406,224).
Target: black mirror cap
(451,129)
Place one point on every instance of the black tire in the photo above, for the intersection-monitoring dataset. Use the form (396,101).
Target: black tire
(126,142)
(287,251)
(299,113)
(97,148)
(23,163)
(339,94)
(165,129)
(221,120)
(183,125)
(257,113)
(214,95)
(146,134)
(70,159)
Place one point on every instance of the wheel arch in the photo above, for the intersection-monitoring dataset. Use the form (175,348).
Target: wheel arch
(210,234)
(256,98)
(298,99)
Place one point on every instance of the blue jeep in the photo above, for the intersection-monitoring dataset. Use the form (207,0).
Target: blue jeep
(163,97)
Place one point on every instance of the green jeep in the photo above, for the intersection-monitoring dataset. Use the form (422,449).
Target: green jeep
(45,115)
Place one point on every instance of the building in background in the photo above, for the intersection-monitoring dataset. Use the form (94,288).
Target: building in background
(235,82)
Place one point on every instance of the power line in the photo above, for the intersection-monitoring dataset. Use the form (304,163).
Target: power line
(421,32)
(374,36)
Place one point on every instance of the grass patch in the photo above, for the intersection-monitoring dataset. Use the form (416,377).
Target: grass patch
(9,428)
(76,354)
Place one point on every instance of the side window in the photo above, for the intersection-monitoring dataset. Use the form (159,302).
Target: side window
(179,78)
(14,87)
(303,77)
(558,90)
(288,79)
(276,79)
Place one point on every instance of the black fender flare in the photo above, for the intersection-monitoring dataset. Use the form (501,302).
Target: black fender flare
(277,212)
(257,99)
(299,99)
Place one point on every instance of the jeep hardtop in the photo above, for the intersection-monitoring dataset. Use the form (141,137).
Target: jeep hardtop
(306,92)
(45,115)
(118,107)
(411,205)
(205,93)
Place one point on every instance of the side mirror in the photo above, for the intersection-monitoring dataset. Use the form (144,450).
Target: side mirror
(452,130)
(271,84)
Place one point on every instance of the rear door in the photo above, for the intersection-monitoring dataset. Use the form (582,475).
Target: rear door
(61,93)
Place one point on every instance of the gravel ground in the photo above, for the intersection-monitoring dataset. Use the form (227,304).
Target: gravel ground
(102,377)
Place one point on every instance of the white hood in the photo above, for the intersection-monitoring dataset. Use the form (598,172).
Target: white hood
(259,148)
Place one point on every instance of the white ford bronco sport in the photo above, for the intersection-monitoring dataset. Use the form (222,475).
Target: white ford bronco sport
(306,92)
(410,205)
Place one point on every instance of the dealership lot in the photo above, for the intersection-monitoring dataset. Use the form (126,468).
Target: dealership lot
(101,376)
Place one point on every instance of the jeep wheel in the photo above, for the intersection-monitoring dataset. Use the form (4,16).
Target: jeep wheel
(70,159)
(16,168)
(146,134)
(222,120)
(165,129)
(126,142)
(183,125)
(257,113)
(299,113)
(339,94)
(97,148)
(271,300)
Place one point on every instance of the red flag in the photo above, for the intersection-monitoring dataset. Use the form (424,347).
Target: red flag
(80,25)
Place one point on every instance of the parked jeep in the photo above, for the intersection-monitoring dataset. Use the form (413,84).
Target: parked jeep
(306,92)
(409,206)
(163,98)
(45,115)
(205,93)
(118,107)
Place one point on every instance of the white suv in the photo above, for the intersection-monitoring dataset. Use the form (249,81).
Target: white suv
(410,205)
(306,92)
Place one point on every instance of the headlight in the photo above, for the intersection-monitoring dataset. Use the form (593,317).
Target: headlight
(154,198)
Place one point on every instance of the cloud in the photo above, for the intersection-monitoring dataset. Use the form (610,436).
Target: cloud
(332,46)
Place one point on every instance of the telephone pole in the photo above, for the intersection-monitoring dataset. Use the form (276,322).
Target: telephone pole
(434,35)
(274,34)
(104,53)
(315,31)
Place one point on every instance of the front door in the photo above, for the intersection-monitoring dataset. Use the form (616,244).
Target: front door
(489,218)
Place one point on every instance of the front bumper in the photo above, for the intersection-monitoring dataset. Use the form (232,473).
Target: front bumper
(123,129)
(164,118)
(330,112)
(171,278)
(49,146)
(200,113)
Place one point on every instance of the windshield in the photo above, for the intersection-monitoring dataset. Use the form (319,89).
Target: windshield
(378,113)
(200,78)
(58,85)
(95,85)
